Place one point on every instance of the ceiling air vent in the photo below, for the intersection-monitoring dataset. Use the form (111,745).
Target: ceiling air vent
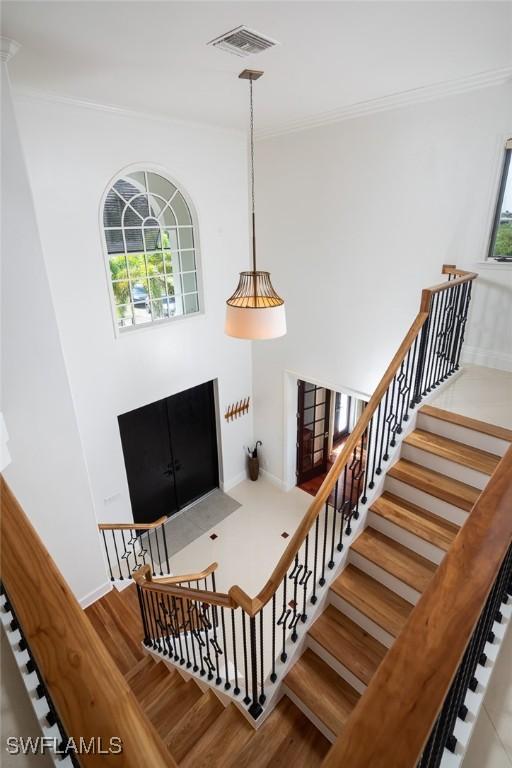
(243,42)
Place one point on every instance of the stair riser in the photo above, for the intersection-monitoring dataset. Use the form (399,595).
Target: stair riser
(385,578)
(329,735)
(408,539)
(426,500)
(363,621)
(342,671)
(445,466)
(463,434)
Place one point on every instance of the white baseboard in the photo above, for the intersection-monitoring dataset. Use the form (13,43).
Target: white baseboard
(227,485)
(487,358)
(96,594)
(273,479)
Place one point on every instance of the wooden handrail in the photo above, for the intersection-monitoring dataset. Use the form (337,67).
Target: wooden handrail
(132,526)
(144,578)
(252,605)
(188,577)
(90,694)
(393,719)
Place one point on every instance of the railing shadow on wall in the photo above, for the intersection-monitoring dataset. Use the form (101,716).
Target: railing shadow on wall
(240,650)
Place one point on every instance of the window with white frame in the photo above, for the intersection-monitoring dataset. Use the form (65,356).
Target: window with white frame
(501,235)
(151,244)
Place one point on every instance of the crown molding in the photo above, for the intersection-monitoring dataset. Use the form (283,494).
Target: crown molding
(393,101)
(71,101)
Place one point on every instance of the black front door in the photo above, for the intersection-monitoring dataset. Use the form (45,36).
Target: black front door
(170,452)
(148,462)
(194,442)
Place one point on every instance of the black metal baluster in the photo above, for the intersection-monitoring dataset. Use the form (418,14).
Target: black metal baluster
(305,577)
(366,457)
(294,575)
(330,564)
(371,484)
(391,418)
(215,644)
(125,556)
(442,349)
(185,633)
(467,300)
(149,616)
(190,615)
(247,698)
(143,614)
(412,378)
(165,628)
(432,346)
(158,551)
(180,645)
(108,556)
(164,536)
(378,471)
(262,662)
(117,556)
(150,551)
(158,621)
(255,709)
(420,363)
(315,560)
(236,689)
(326,519)
(283,619)
(273,675)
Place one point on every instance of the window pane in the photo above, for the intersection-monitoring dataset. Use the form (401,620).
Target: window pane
(128,188)
(136,265)
(191,303)
(170,286)
(124,315)
(172,263)
(167,218)
(157,287)
(155,262)
(186,237)
(189,282)
(138,179)
(163,308)
(140,205)
(112,210)
(170,239)
(161,186)
(140,293)
(118,268)
(181,210)
(152,239)
(188,261)
(134,241)
(114,240)
(121,291)
(141,315)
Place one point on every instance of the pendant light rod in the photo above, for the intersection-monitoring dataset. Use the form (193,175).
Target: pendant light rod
(251,75)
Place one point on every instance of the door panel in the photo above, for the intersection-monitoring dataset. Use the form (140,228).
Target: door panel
(193,442)
(312,430)
(147,457)
(342,411)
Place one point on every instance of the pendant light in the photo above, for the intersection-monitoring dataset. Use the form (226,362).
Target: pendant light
(255,310)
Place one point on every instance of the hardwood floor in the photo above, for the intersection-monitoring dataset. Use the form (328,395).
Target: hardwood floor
(196,728)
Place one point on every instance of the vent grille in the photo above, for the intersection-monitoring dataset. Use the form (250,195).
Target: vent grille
(243,42)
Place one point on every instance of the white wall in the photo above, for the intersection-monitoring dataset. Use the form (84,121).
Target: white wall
(73,152)
(354,219)
(47,473)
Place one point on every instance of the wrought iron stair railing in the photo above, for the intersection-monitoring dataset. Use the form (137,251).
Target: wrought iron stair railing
(236,641)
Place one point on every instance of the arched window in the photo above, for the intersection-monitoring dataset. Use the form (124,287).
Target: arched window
(151,243)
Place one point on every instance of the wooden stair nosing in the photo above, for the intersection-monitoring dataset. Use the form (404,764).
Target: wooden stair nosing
(350,645)
(371,598)
(418,521)
(193,724)
(485,427)
(460,453)
(436,484)
(210,750)
(322,690)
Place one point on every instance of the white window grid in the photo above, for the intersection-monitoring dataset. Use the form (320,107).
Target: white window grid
(186,301)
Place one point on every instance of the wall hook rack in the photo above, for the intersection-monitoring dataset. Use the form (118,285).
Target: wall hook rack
(237,409)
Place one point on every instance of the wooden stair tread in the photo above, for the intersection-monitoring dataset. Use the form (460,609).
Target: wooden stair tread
(193,724)
(442,487)
(460,453)
(322,690)
(465,421)
(142,666)
(148,679)
(228,733)
(171,705)
(399,561)
(416,520)
(373,599)
(358,651)
(286,735)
